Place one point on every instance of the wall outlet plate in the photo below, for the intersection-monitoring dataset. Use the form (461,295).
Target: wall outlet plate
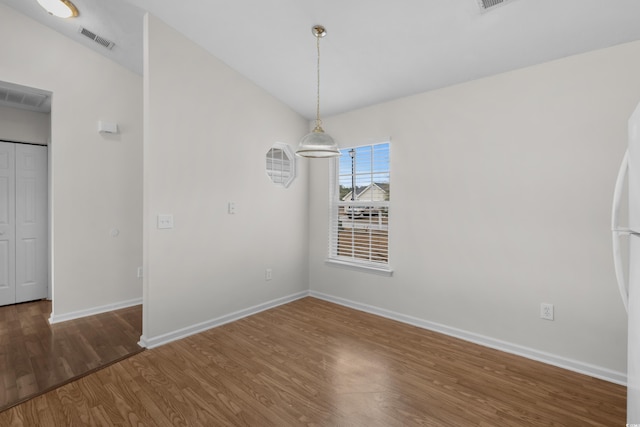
(546,311)
(165,221)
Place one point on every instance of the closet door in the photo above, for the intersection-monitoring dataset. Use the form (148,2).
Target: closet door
(7,224)
(31,222)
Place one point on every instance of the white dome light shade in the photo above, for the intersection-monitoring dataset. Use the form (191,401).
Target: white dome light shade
(317,144)
(59,8)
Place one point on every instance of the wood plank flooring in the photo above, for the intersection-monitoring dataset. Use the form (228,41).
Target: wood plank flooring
(36,356)
(311,362)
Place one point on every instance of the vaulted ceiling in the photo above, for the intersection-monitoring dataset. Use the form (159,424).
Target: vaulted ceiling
(375,50)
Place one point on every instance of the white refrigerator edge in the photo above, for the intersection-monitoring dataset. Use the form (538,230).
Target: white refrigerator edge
(630,290)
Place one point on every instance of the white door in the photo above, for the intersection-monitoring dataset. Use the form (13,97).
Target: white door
(7,224)
(31,222)
(23,223)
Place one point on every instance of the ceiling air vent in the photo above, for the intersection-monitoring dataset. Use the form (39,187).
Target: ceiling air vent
(16,96)
(22,99)
(96,38)
(488,4)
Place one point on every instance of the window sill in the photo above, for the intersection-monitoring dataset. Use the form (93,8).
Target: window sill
(379,270)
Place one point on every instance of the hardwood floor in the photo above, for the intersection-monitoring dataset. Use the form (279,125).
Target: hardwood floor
(311,362)
(36,356)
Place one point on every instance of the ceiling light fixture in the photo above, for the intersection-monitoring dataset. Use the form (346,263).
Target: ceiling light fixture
(59,8)
(317,143)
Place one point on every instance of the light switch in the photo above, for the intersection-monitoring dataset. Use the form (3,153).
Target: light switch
(165,221)
(232,208)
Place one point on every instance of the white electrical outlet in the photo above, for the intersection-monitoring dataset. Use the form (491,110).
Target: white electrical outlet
(546,311)
(139,272)
(268,274)
(165,221)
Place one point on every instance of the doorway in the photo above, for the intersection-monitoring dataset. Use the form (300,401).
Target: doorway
(23,222)
(25,133)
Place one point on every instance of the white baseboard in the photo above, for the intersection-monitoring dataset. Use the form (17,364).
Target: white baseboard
(95,310)
(529,353)
(219,321)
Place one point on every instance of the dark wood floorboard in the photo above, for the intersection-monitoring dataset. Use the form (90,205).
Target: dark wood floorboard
(314,363)
(36,356)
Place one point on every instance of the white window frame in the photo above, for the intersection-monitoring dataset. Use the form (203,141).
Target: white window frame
(281,171)
(336,205)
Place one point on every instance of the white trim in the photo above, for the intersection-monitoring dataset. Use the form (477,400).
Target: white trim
(382,270)
(219,321)
(95,310)
(529,353)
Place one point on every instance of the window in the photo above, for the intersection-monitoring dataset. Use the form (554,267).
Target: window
(281,164)
(359,220)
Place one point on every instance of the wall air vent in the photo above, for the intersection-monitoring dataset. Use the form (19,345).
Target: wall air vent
(488,4)
(96,38)
(15,96)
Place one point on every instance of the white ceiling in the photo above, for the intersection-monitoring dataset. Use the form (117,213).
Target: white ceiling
(375,50)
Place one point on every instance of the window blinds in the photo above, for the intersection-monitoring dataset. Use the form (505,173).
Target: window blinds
(359,202)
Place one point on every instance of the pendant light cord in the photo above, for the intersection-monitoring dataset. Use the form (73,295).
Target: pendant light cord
(318,121)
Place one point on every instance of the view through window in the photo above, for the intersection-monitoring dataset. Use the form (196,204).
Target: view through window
(359,229)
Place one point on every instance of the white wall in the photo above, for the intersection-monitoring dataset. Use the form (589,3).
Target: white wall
(96,180)
(501,195)
(207,132)
(24,126)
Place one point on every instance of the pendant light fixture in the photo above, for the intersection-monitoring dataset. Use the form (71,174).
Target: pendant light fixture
(318,144)
(59,8)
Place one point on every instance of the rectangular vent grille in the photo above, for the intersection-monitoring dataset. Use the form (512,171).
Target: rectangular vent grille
(96,38)
(486,4)
(21,99)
